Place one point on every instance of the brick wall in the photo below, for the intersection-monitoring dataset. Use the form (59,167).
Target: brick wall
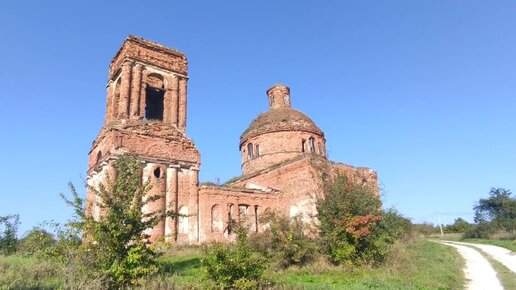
(277,147)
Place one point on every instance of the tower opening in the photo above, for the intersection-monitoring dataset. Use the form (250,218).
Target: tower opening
(154,104)
(250,150)
(311,142)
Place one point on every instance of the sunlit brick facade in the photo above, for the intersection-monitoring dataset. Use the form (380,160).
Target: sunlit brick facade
(284,164)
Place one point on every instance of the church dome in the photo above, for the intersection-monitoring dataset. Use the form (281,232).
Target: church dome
(280,119)
(279,135)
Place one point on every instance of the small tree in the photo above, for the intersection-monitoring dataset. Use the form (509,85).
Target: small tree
(349,214)
(499,209)
(117,237)
(460,225)
(9,239)
(498,212)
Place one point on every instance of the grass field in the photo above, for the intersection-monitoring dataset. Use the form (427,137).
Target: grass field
(417,265)
(17,272)
(421,265)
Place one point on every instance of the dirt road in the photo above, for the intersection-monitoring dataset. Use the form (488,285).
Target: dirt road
(502,255)
(478,271)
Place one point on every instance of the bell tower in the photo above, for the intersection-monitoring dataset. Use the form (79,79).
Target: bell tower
(147,81)
(146,117)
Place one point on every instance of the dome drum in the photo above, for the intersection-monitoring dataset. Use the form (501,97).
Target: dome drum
(268,149)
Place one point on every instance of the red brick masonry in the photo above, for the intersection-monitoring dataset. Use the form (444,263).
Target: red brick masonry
(284,165)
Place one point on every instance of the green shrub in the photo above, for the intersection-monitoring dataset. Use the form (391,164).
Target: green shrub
(391,228)
(459,226)
(116,239)
(482,230)
(426,229)
(347,214)
(36,242)
(353,228)
(286,241)
(396,225)
(234,265)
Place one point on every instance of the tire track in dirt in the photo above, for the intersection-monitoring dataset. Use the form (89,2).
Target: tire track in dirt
(502,255)
(478,271)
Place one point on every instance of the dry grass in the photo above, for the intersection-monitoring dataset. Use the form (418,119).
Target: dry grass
(27,273)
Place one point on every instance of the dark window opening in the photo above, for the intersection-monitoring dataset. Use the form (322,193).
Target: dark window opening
(157,172)
(256,218)
(119,141)
(250,150)
(231,223)
(311,142)
(154,104)
(116,98)
(320,149)
(99,156)
(257,153)
(303,141)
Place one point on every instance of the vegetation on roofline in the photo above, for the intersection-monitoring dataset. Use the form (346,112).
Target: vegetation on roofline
(232,180)
(280,164)
(209,183)
(278,116)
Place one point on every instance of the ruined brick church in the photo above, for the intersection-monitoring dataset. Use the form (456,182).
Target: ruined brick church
(284,164)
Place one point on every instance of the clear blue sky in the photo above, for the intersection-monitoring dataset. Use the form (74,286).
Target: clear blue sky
(421,91)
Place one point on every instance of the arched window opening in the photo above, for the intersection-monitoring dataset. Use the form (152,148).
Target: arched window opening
(321,152)
(119,141)
(250,150)
(242,213)
(154,103)
(303,141)
(157,172)
(256,218)
(266,212)
(99,156)
(231,222)
(217,225)
(257,153)
(155,80)
(183,220)
(116,98)
(311,143)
